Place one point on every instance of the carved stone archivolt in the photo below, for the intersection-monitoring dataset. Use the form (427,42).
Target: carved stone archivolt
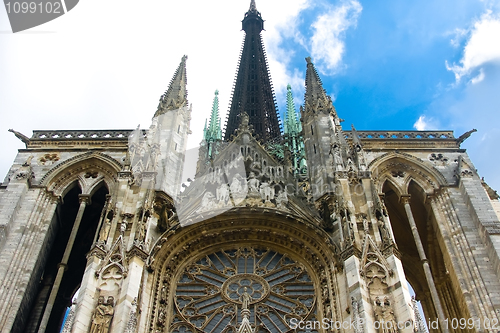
(100,161)
(401,168)
(89,173)
(188,273)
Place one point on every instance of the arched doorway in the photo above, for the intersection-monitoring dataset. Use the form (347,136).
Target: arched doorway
(396,197)
(65,247)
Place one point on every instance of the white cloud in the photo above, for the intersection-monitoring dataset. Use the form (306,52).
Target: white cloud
(478,78)
(424,123)
(283,17)
(458,36)
(328,44)
(482,47)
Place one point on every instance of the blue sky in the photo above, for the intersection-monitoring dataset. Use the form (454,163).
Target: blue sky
(396,65)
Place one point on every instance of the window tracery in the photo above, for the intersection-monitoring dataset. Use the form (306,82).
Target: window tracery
(213,293)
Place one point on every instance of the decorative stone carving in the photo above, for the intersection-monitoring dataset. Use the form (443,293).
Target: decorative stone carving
(384,232)
(132,321)
(358,327)
(418,325)
(103,315)
(253,185)
(24,174)
(398,174)
(49,159)
(207,203)
(223,194)
(113,267)
(438,159)
(385,315)
(374,266)
(237,190)
(91,174)
(165,212)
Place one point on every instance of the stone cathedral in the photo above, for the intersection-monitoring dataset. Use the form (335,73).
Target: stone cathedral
(293,226)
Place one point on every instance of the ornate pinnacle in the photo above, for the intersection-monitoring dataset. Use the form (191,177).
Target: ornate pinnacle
(315,97)
(176,95)
(292,124)
(213,132)
(293,139)
(355,137)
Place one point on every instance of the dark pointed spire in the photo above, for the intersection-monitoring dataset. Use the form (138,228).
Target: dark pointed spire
(253,92)
(176,95)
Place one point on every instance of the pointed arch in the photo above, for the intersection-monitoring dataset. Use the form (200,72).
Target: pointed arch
(91,170)
(399,169)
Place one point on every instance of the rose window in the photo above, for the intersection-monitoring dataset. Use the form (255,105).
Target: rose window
(217,291)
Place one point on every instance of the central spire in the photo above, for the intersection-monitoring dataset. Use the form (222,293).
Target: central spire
(253,92)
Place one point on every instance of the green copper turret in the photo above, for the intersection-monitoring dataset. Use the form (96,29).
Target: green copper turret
(293,135)
(213,133)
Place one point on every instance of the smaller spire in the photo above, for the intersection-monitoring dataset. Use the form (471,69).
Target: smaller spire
(314,86)
(176,95)
(213,132)
(355,138)
(293,135)
(292,124)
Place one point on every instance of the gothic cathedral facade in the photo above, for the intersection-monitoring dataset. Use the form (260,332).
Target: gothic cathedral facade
(295,227)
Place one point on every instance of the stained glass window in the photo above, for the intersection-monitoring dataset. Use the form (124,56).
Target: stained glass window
(212,292)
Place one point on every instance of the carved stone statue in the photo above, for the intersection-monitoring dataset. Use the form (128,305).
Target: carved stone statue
(223,193)
(238,190)
(245,299)
(266,191)
(208,202)
(103,314)
(105,229)
(123,227)
(385,315)
(334,218)
(281,199)
(253,183)
(384,233)
(163,293)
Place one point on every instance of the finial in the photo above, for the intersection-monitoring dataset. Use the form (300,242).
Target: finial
(184,58)
(253,7)
(308,59)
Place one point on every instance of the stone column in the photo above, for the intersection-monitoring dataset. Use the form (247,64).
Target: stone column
(405,199)
(84,200)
